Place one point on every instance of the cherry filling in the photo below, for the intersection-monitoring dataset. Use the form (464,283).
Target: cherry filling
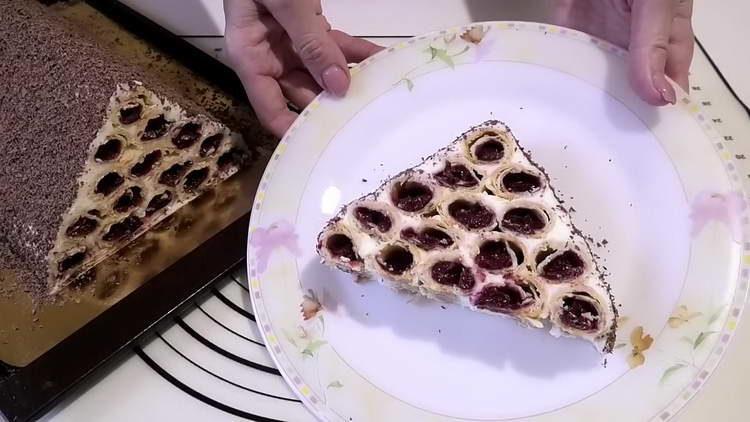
(579,314)
(123,229)
(521,182)
(372,219)
(109,150)
(395,259)
(495,255)
(411,196)
(231,159)
(489,150)
(109,183)
(210,145)
(172,175)
(195,179)
(187,135)
(130,114)
(81,227)
(131,198)
(340,246)
(566,266)
(155,128)
(471,215)
(524,221)
(456,176)
(158,202)
(505,298)
(428,239)
(71,261)
(452,273)
(147,164)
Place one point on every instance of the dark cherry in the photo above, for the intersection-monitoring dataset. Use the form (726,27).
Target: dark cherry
(109,150)
(456,176)
(171,176)
(494,255)
(521,182)
(81,227)
(341,246)
(502,298)
(452,273)
(123,230)
(155,128)
(579,314)
(471,215)
(71,261)
(210,145)
(395,260)
(158,202)
(130,114)
(132,197)
(525,221)
(428,239)
(187,135)
(373,219)
(489,150)
(109,183)
(566,266)
(195,179)
(411,196)
(147,164)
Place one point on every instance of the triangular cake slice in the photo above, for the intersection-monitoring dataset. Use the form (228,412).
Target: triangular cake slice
(478,224)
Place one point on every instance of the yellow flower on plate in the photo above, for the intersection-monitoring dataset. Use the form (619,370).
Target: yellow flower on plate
(681,316)
(640,343)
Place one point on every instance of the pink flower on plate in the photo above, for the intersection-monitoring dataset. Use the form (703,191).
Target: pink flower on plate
(718,207)
(266,240)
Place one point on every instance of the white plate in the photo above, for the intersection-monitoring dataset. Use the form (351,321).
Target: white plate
(653,182)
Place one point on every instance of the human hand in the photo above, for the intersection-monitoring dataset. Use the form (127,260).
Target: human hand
(285,49)
(657,33)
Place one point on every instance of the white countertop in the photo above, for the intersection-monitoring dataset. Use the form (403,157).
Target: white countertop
(131,390)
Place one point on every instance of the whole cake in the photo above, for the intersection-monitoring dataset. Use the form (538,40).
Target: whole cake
(478,224)
(93,151)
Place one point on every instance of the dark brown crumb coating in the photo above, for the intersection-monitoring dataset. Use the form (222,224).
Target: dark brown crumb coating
(55,86)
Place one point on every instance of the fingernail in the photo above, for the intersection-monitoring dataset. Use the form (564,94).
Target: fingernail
(336,81)
(665,89)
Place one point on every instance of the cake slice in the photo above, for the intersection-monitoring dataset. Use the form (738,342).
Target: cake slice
(478,224)
(94,150)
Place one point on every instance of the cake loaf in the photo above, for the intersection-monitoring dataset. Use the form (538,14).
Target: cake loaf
(93,152)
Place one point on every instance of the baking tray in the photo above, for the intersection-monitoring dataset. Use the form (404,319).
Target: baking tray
(47,350)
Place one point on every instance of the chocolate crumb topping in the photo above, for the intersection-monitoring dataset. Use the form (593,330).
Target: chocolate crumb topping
(373,219)
(526,221)
(411,196)
(395,260)
(452,273)
(472,215)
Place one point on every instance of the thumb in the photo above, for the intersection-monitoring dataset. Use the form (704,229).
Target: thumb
(650,28)
(308,30)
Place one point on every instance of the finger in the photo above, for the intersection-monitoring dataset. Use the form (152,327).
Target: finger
(355,49)
(269,103)
(299,87)
(651,23)
(681,45)
(320,54)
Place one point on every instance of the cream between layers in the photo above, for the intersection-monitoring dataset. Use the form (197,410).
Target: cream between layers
(499,240)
